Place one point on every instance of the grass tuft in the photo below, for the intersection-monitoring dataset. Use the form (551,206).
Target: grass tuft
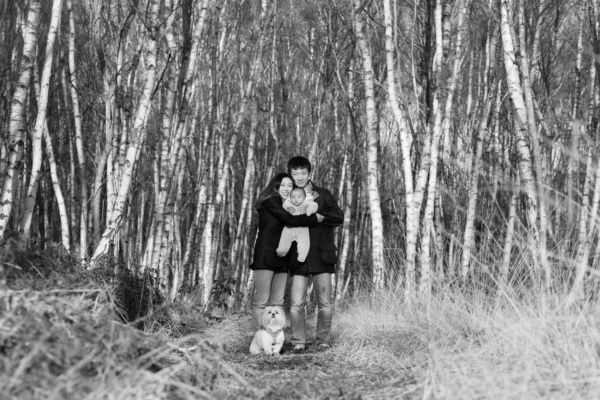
(470,346)
(68,333)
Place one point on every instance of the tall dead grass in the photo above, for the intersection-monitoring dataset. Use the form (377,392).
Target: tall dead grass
(65,334)
(463,344)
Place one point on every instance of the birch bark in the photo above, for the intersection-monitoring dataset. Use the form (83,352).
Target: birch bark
(587,226)
(587,223)
(83,221)
(573,160)
(520,116)
(535,146)
(469,236)
(341,272)
(510,233)
(114,219)
(36,152)
(440,127)
(210,259)
(17,114)
(170,154)
(60,200)
(247,191)
(405,141)
(372,144)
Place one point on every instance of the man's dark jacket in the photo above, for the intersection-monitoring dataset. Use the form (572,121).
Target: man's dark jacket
(271,219)
(322,255)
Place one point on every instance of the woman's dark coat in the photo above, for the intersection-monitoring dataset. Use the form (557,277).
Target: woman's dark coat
(272,217)
(322,255)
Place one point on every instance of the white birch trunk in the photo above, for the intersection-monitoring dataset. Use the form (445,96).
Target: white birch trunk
(405,140)
(60,200)
(17,113)
(439,128)
(341,272)
(520,115)
(200,202)
(510,233)
(372,162)
(246,191)
(36,152)
(469,237)
(114,220)
(209,259)
(170,155)
(537,154)
(83,221)
(585,233)
(573,160)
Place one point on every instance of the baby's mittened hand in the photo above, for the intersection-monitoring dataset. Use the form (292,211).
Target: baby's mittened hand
(311,208)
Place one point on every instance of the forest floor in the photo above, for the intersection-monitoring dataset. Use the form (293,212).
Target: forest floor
(64,335)
(313,374)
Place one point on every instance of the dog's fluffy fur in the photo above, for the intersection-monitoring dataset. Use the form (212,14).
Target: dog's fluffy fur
(270,338)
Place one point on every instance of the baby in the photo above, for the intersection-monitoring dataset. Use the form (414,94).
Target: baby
(297,198)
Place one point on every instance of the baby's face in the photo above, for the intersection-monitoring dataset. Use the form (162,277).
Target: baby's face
(297,197)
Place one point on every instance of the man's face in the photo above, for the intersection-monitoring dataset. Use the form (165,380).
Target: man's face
(297,197)
(300,176)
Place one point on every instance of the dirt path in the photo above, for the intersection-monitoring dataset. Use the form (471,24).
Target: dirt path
(311,375)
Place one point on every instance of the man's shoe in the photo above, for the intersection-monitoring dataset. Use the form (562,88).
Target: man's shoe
(299,349)
(323,346)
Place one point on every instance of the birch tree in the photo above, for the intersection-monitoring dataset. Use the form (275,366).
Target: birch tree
(17,114)
(173,136)
(519,113)
(114,219)
(438,128)
(25,226)
(405,143)
(83,221)
(372,143)
(209,260)
(482,133)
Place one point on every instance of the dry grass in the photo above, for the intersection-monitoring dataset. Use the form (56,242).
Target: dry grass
(469,347)
(67,344)
(63,336)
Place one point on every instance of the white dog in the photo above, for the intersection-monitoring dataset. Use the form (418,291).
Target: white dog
(270,338)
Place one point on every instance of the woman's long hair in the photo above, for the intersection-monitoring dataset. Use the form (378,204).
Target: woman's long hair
(271,190)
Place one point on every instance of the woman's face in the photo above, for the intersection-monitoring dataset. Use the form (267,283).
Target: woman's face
(286,187)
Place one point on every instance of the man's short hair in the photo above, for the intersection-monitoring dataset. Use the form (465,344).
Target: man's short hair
(298,162)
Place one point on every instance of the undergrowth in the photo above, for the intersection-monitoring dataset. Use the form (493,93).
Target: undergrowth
(69,333)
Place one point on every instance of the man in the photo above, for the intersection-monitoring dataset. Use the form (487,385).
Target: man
(320,261)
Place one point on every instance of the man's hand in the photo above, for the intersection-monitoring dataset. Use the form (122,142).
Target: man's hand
(320,218)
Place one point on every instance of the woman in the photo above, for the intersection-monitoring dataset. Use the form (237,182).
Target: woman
(270,270)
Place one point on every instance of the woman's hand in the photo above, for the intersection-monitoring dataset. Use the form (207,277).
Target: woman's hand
(290,210)
(320,218)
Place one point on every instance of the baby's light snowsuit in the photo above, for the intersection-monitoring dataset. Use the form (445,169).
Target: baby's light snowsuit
(298,234)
